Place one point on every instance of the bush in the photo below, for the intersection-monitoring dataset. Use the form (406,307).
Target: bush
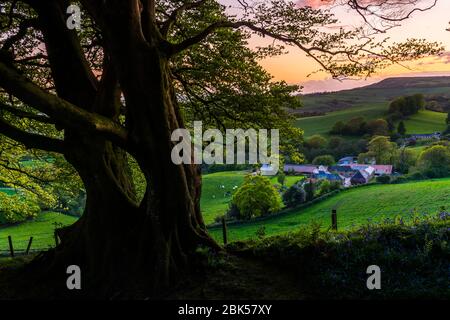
(398,180)
(294,196)
(310,190)
(326,186)
(16,208)
(434,162)
(256,197)
(384,179)
(417,176)
(325,160)
(412,254)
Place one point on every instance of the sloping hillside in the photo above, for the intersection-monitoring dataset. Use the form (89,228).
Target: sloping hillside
(378,93)
(322,110)
(355,208)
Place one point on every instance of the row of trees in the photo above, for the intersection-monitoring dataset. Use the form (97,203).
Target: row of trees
(358,126)
(398,109)
(406,106)
(336,147)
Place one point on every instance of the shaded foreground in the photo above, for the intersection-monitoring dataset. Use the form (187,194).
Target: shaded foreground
(309,264)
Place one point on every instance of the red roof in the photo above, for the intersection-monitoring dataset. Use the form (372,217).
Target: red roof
(379,168)
(300,168)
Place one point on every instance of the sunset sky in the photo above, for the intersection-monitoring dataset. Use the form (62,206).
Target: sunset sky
(431,25)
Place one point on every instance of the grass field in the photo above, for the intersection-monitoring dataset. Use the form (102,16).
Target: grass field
(214,202)
(355,207)
(371,103)
(8,191)
(323,124)
(424,122)
(41,229)
(217,190)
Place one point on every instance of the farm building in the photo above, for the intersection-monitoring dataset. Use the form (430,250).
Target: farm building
(325,175)
(305,169)
(379,169)
(360,177)
(343,170)
(426,136)
(268,170)
(347,160)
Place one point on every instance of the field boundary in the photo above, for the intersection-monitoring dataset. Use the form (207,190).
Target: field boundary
(286,211)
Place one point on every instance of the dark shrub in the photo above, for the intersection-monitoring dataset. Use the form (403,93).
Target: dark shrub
(384,179)
(400,179)
(294,196)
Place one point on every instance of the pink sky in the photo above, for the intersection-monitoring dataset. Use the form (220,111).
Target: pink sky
(295,67)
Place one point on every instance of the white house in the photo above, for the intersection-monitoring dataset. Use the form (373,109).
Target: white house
(267,170)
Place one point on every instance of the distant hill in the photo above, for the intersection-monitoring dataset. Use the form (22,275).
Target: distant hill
(322,110)
(410,82)
(435,88)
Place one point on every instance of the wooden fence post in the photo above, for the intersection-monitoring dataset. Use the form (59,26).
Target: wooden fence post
(11,248)
(334,220)
(56,239)
(224,231)
(29,245)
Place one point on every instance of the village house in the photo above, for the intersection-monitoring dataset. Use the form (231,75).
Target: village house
(325,175)
(267,170)
(379,169)
(344,170)
(426,136)
(360,177)
(346,174)
(303,169)
(347,160)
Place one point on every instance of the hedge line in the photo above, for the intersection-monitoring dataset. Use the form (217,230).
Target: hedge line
(290,210)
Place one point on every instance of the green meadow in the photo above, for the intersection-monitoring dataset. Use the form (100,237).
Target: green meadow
(371,103)
(355,207)
(424,122)
(41,229)
(218,188)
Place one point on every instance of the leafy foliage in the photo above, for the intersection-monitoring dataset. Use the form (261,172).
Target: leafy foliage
(435,161)
(256,197)
(408,105)
(325,160)
(294,196)
(17,208)
(412,256)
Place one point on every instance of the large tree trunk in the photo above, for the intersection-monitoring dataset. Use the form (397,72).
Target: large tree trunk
(118,243)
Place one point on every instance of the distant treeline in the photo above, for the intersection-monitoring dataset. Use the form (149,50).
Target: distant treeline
(399,109)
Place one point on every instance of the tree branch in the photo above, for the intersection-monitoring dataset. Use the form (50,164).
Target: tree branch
(61,111)
(30,140)
(24,114)
(172,19)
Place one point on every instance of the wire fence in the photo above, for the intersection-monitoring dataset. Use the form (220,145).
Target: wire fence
(21,244)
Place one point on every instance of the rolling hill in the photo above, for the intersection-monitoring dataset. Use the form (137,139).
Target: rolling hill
(372,102)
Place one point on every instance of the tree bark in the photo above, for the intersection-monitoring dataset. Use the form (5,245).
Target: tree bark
(117,243)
